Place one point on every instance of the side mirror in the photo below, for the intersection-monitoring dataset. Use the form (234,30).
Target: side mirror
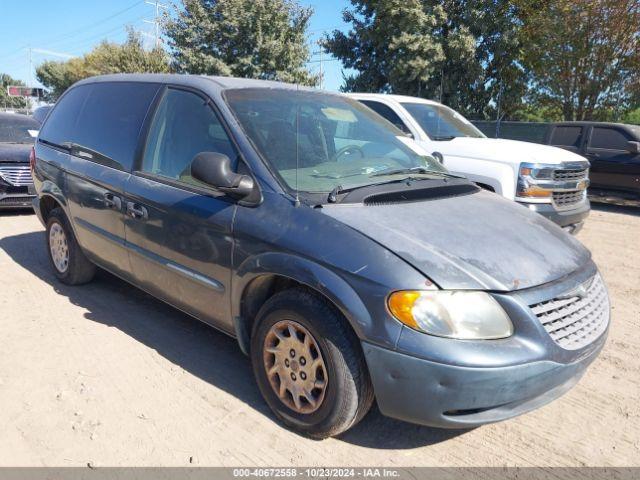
(404,130)
(633,147)
(215,169)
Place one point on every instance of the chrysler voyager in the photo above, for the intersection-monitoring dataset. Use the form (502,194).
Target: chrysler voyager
(348,263)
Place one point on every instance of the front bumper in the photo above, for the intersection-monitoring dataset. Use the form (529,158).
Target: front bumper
(16,197)
(571,220)
(450,383)
(448,396)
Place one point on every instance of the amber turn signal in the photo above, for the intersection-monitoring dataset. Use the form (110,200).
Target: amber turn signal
(401,305)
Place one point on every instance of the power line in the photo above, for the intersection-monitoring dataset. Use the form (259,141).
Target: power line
(67,35)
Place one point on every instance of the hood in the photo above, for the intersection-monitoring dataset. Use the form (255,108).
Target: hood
(15,152)
(479,241)
(505,151)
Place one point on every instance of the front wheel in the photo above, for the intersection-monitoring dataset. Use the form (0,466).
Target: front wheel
(309,365)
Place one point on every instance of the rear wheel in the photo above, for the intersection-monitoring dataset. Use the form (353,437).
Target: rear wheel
(70,264)
(309,365)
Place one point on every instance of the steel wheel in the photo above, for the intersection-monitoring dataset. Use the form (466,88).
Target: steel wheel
(59,247)
(295,367)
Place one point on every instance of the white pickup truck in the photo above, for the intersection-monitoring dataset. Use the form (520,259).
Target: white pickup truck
(548,180)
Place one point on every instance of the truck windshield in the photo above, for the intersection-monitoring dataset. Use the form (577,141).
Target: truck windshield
(16,128)
(440,122)
(316,142)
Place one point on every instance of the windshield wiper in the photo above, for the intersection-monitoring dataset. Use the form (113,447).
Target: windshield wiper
(419,170)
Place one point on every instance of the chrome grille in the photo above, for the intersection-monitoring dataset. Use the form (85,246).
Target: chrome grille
(568,199)
(570,175)
(574,321)
(18,175)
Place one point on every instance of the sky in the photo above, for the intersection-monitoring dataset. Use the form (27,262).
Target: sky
(58,29)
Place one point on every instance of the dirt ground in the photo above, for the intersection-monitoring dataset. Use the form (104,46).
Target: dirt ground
(105,374)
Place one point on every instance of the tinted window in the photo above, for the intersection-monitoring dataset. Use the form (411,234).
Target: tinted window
(317,141)
(386,112)
(567,136)
(609,138)
(183,126)
(103,117)
(15,128)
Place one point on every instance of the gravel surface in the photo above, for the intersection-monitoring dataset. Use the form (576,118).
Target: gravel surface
(104,374)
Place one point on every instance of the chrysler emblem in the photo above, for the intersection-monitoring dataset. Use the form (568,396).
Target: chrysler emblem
(580,291)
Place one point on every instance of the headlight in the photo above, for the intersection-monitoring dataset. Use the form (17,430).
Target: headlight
(528,174)
(453,314)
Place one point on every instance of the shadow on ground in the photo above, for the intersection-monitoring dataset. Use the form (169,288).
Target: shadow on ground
(192,345)
(628,208)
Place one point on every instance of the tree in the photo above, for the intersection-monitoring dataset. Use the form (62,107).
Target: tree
(464,53)
(128,57)
(5,100)
(584,56)
(263,39)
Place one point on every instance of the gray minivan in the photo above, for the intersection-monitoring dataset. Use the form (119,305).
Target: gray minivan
(348,265)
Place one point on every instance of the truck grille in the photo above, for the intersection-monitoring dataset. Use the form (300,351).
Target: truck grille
(564,200)
(574,321)
(18,175)
(570,175)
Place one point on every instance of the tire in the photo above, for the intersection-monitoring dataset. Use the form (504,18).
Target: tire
(77,269)
(348,393)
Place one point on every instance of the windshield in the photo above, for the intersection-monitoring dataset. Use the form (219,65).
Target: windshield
(440,122)
(334,141)
(18,128)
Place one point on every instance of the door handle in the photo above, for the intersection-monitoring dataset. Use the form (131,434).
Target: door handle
(137,211)
(111,201)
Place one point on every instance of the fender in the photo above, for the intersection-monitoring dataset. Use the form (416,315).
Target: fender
(500,176)
(49,189)
(304,271)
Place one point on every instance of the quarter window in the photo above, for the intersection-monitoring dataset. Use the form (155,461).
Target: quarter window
(183,126)
(102,117)
(566,136)
(608,138)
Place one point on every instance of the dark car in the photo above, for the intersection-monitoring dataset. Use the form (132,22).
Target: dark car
(613,149)
(347,264)
(17,134)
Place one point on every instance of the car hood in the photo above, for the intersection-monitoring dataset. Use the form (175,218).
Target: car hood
(478,241)
(504,151)
(15,152)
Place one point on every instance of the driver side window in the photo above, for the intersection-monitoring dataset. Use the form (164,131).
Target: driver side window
(183,126)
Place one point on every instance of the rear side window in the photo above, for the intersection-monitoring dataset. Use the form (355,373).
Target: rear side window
(104,118)
(567,136)
(608,138)
(386,112)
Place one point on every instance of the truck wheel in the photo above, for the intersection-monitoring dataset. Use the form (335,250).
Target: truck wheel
(309,365)
(70,265)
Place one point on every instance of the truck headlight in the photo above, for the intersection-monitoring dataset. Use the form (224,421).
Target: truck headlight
(453,314)
(528,174)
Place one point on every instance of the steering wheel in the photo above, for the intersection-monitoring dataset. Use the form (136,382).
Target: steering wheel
(348,149)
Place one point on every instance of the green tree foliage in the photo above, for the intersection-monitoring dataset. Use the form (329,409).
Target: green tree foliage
(263,39)
(5,100)
(128,57)
(464,53)
(584,56)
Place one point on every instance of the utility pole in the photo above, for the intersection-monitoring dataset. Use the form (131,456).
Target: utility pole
(156,21)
